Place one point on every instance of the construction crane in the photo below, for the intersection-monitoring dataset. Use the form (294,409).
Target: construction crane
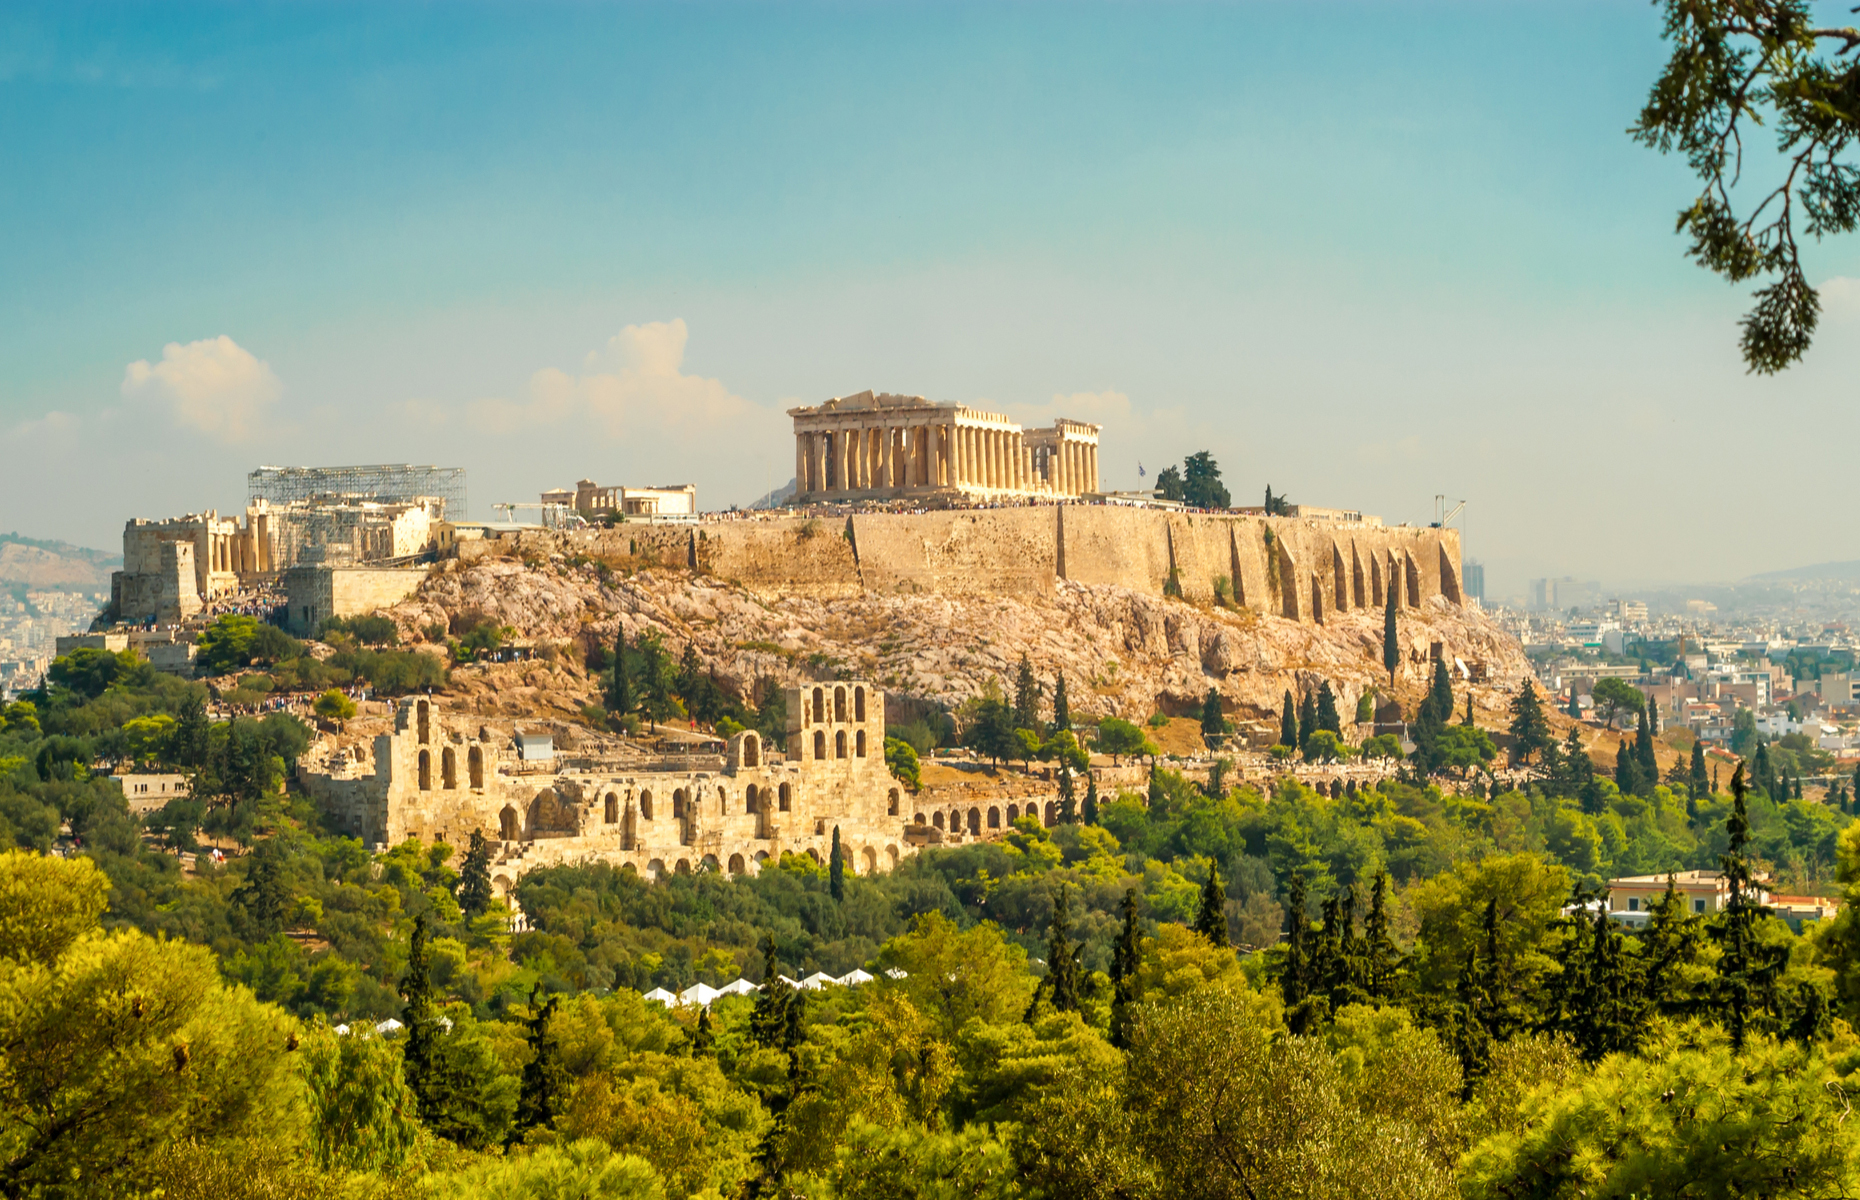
(1442,517)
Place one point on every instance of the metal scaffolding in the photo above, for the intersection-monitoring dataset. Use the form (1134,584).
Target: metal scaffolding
(385,483)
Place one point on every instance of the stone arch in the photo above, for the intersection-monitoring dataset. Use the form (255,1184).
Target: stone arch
(994,817)
(869,861)
(1052,814)
(424,711)
(1317,599)
(752,750)
(680,799)
(683,867)
(820,744)
(762,856)
(892,853)
(936,818)
(656,868)
(723,802)
(610,810)
(975,821)
(710,863)
(859,704)
(426,770)
(839,744)
(786,797)
(503,884)
(1413,581)
(1449,577)
(917,818)
(891,803)
(839,705)
(448,769)
(813,854)
(737,866)
(507,824)
(1013,813)
(820,705)
(629,869)
(645,805)
(751,799)
(474,767)
(859,744)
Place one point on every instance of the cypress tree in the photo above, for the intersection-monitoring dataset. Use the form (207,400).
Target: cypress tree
(1574,710)
(1307,720)
(1391,644)
(1744,996)
(1327,717)
(1062,708)
(1381,960)
(1530,729)
(266,893)
(474,891)
(620,698)
(1699,783)
(1436,711)
(1126,961)
(1669,944)
(1760,771)
(1089,813)
(1440,695)
(1653,717)
(1213,721)
(1295,969)
(1288,726)
(1211,918)
(1643,750)
(1063,969)
(1026,697)
(1856,787)
(836,870)
(421,1063)
(1068,808)
(768,1021)
(1627,770)
(546,1079)
(704,1039)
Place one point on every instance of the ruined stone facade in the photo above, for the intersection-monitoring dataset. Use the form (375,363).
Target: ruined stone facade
(439,776)
(885,446)
(589,499)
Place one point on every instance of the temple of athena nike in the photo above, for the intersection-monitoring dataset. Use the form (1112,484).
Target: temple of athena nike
(885,446)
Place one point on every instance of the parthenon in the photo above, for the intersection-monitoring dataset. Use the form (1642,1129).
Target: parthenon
(882,446)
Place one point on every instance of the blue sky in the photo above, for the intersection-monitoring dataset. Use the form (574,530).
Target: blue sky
(1365,253)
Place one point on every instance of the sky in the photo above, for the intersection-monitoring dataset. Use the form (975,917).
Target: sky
(1366,254)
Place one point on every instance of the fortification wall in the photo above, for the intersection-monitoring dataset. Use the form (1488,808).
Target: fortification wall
(809,555)
(963,552)
(1114,547)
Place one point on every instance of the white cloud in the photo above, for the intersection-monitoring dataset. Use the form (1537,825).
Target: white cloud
(1110,408)
(1840,297)
(214,386)
(632,387)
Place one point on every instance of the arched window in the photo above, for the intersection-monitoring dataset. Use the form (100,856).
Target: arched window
(474,765)
(859,744)
(736,864)
(839,744)
(448,769)
(994,817)
(1052,813)
(749,799)
(871,860)
(426,770)
(858,704)
(645,805)
(820,743)
(752,750)
(1013,813)
(839,704)
(917,818)
(937,819)
(426,721)
(820,705)
(507,823)
(975,820)
(787,796)
(891,803)
(679,800)
(611,812)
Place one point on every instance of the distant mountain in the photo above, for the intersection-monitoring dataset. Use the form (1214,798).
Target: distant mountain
(777,498)
(30,564)
(1832,570)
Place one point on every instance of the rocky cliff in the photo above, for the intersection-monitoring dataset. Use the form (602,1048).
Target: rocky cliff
(1123,652)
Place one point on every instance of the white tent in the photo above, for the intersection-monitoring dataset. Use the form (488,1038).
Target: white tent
(739,987)
(854,978)
(662,996)
(897,973)
(389,1026)
(793,983)
(342,1030)
(818,980)
(700,994)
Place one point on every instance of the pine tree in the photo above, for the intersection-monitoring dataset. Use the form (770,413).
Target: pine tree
(1761,777)
(690,671)
(1295,969)
(1068,809)
(620,698)
(1574,710)
(1288,725)
(1391,643)
(1668,945)
(1745,995)
(1064,972)
(1643,751)
(1700,783)
(1213,721)
(474,887)
(1436,711)
(1026,697)
(655,677)
(1627,770)
(836,870)
(1381,960)
(1211,918)
(1530,729)
(768,1021)
(421,1063)
(704,1038)
(546,1079)
(266,893)
(1062,708)
(1089,812)
(1126,961)
(1307,720)
(1327,717)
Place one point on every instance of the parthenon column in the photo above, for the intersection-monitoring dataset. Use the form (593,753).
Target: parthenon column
(1091,468)
(800,462)
(998,447)
(958,455)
